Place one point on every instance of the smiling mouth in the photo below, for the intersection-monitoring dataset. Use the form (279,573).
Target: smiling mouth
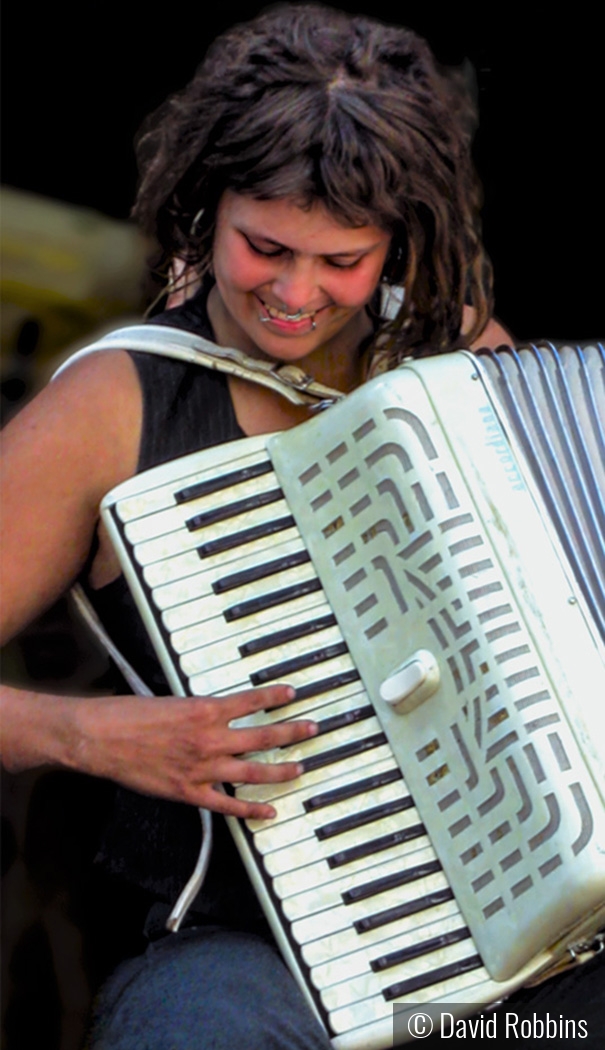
(273,314)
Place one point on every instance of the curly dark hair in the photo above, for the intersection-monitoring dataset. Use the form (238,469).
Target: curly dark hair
(308,103)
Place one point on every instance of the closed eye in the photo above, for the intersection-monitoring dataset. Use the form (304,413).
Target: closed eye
(268,253)
(343,265)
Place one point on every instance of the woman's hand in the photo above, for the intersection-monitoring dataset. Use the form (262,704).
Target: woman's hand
(174,748)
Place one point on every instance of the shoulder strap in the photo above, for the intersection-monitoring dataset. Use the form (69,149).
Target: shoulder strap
(288,380)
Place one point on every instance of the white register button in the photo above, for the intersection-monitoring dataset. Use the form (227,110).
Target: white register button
(411,683)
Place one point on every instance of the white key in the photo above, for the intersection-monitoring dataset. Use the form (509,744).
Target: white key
(317,872)
(307,903)
(280,861)
(203,580)
(197,658)
(358,962)
(300,828)
(342,917)
(346,941)
(293,804)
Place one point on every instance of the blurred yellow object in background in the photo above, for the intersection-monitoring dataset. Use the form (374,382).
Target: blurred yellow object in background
(66,273)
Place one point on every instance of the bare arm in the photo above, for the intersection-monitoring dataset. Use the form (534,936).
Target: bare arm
(69,447)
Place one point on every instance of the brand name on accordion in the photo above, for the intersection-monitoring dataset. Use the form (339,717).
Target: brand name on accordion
(495,439)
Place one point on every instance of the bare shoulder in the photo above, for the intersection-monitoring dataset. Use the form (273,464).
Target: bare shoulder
(89,414)
(77,439)
(493,335)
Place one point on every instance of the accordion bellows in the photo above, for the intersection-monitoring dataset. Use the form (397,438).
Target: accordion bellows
(424,562)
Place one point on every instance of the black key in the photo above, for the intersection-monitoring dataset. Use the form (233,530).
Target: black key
(401,911)
(231,510)
(326,685)
(414,951)
(225,481)
(288,634)
(389,882)
(359,787)
(239,539)
(366,849)
(346,718)
(367,816)
(442,973)
(267,601)
(338,754)
(259,572)
(298,663)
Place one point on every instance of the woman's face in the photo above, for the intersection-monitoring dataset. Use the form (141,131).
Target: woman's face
(291,283)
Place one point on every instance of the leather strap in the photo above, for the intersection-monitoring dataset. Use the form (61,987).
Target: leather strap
(288,380)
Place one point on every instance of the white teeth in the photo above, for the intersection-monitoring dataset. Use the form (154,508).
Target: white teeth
(280,315)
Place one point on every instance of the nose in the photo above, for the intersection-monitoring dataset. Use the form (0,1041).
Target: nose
(295,285)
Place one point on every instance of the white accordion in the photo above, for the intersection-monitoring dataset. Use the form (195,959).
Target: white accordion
(424,562)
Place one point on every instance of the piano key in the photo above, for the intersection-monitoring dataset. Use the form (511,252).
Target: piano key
(200,610)
(350,740)
(259,571)
(234,508)
(189,635)
(310,679)
(203,578)
(322,709)
(391,829)
(223,481)
(256,668)
(427,978)
(316,871)
(400,911)
(357,820)
(306,682)
(397,871)
(195,560)
(301,654)
(421,895)
(385,784)
(401,954)
(179,539)
(219,507)
(245,536)
(439,968)
(272,598)
(287,635)
(311,780)
(360,961)
(283,831)
(347,940)
(359,1016)
(147,498)
(376,845)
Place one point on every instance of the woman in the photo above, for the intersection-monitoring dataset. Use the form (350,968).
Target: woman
(315,161)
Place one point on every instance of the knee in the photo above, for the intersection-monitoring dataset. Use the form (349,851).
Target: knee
(206,990)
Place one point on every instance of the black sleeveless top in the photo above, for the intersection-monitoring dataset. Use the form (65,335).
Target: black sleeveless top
(151,842)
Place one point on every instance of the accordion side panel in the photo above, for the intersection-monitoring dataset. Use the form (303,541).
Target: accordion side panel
(552,403)
(427,539)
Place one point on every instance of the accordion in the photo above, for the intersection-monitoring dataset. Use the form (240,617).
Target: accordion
(425,563)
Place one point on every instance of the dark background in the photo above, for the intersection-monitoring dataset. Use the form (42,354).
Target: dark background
(76,89)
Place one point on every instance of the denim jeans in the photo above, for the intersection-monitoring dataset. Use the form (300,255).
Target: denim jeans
(205,988)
